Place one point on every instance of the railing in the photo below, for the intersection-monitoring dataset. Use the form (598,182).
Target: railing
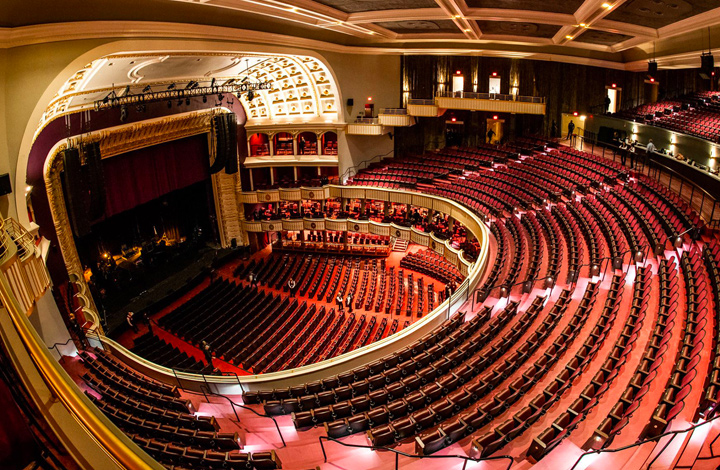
(421,102)
(91,434)
(394,111)
(354,170)
(367,121)
(492,96)
(646,441)
(398,453)
(664,175)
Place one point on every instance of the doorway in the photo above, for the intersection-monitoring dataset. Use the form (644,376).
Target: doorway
(614,94)
(496,126)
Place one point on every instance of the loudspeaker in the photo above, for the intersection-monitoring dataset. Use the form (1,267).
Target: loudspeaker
(231,160)
(77,195)
(707,62)
(350,102)
(652,67)
(220,145)
(5,187)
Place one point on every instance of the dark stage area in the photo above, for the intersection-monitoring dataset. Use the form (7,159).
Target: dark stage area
(133,253)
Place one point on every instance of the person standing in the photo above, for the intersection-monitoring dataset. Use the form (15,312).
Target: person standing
(608,102)
(632,154)
(253,280)
(553,129)
(207,352)
(339,301)
(571,129)
(649,150)
(490,135)
(291,287)
(147,321)
(349,302)
(623,152)
(131,322)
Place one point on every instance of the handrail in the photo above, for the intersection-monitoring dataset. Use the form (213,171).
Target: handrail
(244,407)
(398,453)
(645,441)
(65,391)
(673,174)
(356,168)
(492,96)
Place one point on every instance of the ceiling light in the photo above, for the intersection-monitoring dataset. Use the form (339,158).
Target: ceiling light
(607,6)
(466,30)
(568,37)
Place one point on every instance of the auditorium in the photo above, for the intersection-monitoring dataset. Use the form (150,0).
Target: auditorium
(359,235)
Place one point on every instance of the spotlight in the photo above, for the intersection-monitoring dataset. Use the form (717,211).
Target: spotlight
(229,82)
(503,292)
(171,87)
(146,89)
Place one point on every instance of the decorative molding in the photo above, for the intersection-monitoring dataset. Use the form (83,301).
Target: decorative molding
(113,141)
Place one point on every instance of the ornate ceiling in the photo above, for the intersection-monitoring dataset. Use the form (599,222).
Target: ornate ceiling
(303,89)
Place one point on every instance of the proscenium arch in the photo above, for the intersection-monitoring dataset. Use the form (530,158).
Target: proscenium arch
(156,45)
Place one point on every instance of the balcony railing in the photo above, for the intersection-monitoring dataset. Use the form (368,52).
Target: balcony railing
(492,96)
(421,102)
(367,121)
(394,111)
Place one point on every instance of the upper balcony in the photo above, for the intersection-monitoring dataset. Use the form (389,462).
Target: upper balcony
(397,117)
(492,102)
(367,126)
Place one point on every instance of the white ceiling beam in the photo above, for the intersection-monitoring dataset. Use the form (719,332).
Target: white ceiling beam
(456,12)
(585,16)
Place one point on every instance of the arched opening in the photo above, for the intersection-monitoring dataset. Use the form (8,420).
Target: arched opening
(307,143)
(329,143)
(259,145)
(283,144)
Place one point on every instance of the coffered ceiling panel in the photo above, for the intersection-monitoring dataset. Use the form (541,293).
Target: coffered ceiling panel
(568,6)
(659,13)
(516,28)
(355,6)
(420,26)
(602,37)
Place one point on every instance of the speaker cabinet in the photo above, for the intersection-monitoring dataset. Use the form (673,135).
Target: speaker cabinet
(76,193)
(707,62)
(225,144)
(5,187)
(231,160)
(652,67)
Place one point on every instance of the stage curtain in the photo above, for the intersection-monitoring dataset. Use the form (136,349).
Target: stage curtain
(138,177)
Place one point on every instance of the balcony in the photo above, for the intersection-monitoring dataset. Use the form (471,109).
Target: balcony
(492,102)
(396,117)
(367,126)
(424,108)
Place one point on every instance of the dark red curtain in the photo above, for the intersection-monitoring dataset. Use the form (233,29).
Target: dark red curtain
(137,177)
